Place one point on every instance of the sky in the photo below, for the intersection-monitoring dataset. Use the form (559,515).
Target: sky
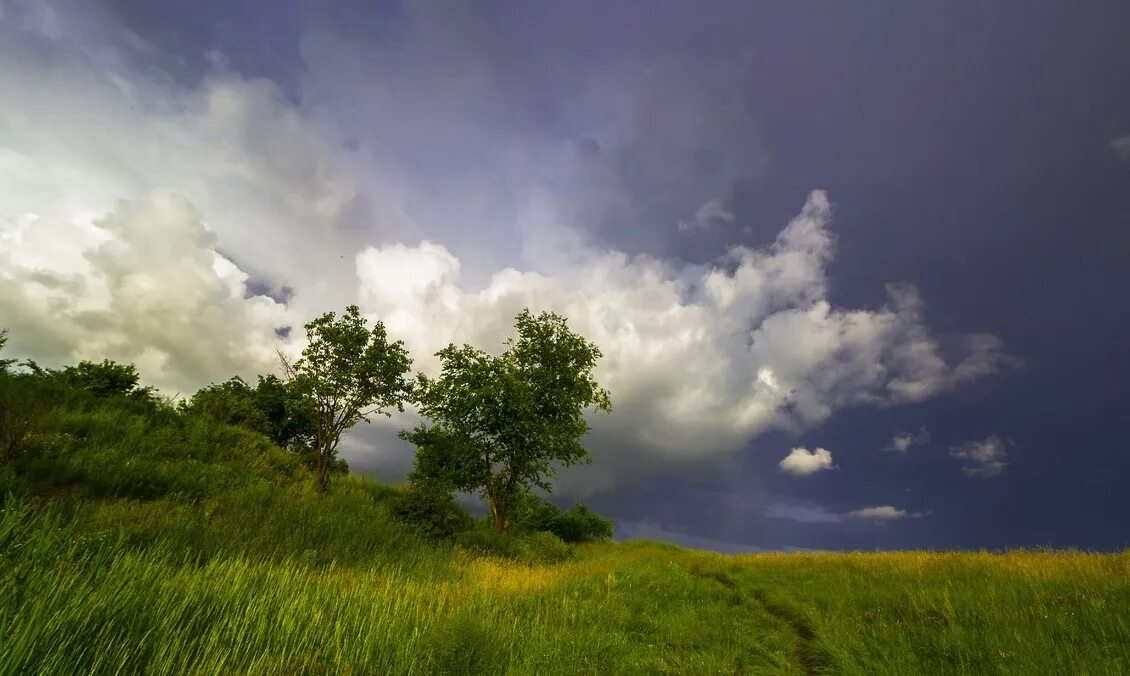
(853,267)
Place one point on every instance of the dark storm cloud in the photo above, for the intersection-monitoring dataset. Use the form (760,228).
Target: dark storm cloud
(974,149)
(659,134)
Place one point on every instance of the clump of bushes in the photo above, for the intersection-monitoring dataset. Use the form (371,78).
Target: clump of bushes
(525,546)
(430,509)
(576,524)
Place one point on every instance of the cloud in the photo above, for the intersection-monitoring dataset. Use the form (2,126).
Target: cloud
(802,462)
(806,513)
(700,359)
(155,223)
(708,214)
(1121,146)
(153,291)
(901,443)
(883,513)
(983,459)
(162,222)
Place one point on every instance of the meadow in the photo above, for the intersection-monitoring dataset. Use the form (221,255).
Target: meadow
(135,541)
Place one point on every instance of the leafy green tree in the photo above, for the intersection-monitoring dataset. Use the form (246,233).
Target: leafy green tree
(4,363)
(22,408)
(503,423)
(346,374)
(287,420)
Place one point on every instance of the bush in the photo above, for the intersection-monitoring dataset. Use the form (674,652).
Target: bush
(24,409)
(528,547)
(270,408)
(541,547)
(231,402)
(430,510)
(577,524)
(105,379)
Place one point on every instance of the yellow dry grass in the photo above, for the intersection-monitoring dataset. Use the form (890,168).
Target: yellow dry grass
(1024,563)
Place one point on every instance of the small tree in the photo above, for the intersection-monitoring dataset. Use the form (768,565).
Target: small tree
(347,373)
(503,422)
(287,423)
(4,363)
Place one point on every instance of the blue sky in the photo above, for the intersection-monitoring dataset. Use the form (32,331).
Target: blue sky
(789,226)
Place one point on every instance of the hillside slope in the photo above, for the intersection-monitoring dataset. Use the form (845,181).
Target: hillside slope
(137,539)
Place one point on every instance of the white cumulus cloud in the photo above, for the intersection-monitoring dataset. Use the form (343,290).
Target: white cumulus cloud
(901,443)
(802,462)
(982,459)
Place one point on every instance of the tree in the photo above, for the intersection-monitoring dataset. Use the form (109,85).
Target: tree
(24,406)
(287,421)
(502,423)
(4,363)
(347,373)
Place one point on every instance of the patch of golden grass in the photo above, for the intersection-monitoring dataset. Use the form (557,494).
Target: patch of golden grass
(1026,563)
(487,574)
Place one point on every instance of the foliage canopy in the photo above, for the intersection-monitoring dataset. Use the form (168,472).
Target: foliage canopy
(347,373)
(501,424)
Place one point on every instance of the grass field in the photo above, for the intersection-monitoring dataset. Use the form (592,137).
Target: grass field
(76,597)
(134,542)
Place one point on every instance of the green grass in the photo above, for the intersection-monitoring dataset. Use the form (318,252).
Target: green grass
(132,541)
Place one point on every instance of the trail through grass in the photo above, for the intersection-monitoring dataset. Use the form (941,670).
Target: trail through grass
(87,601)
(144,542)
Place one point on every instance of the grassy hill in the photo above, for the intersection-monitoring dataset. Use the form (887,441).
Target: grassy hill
(135,538)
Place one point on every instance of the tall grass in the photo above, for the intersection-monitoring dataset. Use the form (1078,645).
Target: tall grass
(71,602)
(136,540)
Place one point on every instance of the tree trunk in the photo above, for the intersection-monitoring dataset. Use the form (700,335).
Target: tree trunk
(323,483)
(496,514)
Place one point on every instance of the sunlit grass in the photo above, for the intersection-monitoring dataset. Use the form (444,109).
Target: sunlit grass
(72,601)
(140,545)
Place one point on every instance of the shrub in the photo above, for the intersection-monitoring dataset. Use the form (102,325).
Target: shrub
(270,408)
(540,547)
(528,547)
(231,402)
(577,524)
(24,409)
(430,509)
